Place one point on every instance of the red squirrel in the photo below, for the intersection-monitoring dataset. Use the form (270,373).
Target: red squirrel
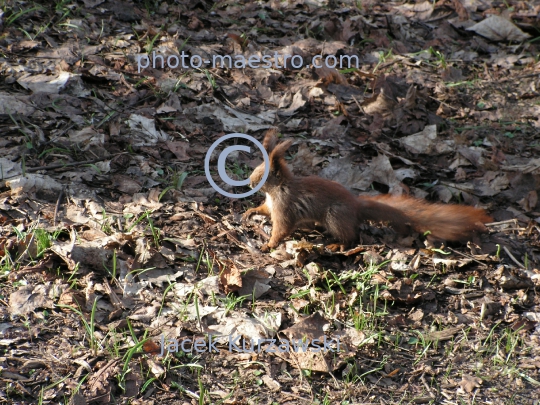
(292,201)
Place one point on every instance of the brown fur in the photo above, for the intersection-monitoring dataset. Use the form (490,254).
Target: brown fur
(292,201)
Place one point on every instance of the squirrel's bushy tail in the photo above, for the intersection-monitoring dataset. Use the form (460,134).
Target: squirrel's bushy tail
(444,221)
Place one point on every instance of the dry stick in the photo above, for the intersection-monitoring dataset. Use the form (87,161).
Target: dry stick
(508,221)
(519,77)
(467,256)
(357,104)
(58,202)
(513,258)
(443,103)
(428,388)
(59,135)
(119,223)
(515,229)
(61,165)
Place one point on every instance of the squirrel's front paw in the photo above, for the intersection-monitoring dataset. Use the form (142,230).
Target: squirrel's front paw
(270,245)
(247,215)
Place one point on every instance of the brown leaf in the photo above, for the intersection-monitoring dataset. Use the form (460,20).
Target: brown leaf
(523,325)
(420,11)
(93,234)
(99,383)
(416,316)
(497,28)
(445,334)
(45,264)
(179,149)
(529,202)
(461,10)
(469,383)
(126,184)
(230,277)
(345,92)
(310,360)
(195,23)
(403,292)
(330,75)
(27,299)
(452,74)
(255,283)
(347,30)
(298,101)
(243,42)
(310,327)
(151,347)
(72,298)
(23,46)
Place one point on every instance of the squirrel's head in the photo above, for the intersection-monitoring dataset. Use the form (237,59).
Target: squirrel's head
(279,172)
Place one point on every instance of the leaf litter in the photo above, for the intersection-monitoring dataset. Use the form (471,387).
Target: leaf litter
(112,240)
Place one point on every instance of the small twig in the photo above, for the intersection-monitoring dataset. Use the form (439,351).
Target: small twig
(467,256)
(443,103)
(358,104)
(455,187)
(501,222)
(58,202)
(205,216)
(27,248)
(52,140)
(106,118)
(124,81)
(346,129)
(428,388)
(518,78)
(61,165)
(261,232)
(119,223)
(513,258)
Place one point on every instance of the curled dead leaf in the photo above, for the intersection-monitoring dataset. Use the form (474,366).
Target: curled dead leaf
(469,383)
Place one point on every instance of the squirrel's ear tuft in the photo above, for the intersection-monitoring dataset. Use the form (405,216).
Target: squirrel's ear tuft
(280,149)
(270,140)
(276,157)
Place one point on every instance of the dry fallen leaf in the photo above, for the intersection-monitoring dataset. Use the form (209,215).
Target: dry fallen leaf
(469,383)
(28,299)
(419,11)
(230,278)
(498,28)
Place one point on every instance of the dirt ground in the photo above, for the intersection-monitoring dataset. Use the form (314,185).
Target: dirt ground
(126,278)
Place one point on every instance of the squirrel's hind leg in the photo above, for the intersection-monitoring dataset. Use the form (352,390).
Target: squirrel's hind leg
(344,231)
(280,230)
